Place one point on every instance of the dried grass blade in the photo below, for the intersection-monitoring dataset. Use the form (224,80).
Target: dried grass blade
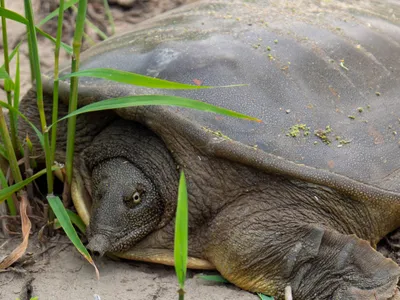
(26,228)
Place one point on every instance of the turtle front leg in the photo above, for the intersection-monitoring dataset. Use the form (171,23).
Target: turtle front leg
(264,252)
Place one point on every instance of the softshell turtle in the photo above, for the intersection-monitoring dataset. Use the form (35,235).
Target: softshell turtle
(298,200)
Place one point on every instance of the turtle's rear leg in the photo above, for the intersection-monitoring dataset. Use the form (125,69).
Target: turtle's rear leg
(261,253)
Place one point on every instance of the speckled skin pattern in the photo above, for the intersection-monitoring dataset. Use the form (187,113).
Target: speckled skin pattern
(267,209)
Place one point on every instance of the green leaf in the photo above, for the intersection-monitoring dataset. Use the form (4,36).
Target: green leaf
(9,14)
(15,50)
(8,85)
(11,56)
(139,100)
(17,86)
(8,191)
(54,13)
(76,220)
(3,152)
(66,47)
(12,109)
(95,28)
(214,278)
(109,16)
(18,18)
(10,202)
(62,216)
(264,297)
(181,233)
(136,79)
(3,73)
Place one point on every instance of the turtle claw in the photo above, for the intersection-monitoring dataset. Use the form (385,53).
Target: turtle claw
(351,269)
(318,263)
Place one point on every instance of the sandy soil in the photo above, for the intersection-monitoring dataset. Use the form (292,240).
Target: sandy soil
(56,270)
(61,273)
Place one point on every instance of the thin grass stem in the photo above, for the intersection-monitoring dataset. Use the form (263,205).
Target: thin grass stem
(13,116)
(109,16)
(92,26)
(87,37)
(12,159)
(34,57)
(73,100)
(17,89)
(17,84)
(56,83)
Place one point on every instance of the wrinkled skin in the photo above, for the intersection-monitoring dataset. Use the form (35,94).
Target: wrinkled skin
(126,206)
(264,220)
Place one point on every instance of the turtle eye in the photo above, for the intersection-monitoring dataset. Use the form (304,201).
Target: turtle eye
(136,197)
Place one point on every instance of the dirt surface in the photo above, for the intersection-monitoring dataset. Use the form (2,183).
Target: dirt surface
(55,270)
(61,273)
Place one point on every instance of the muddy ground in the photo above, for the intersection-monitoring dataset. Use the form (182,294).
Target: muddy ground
(55,270)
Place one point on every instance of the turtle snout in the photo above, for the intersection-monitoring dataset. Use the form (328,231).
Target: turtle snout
(99,244)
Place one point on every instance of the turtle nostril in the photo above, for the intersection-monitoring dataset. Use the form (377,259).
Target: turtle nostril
(99,244)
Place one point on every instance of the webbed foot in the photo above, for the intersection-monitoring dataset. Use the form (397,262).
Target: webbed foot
(318,263)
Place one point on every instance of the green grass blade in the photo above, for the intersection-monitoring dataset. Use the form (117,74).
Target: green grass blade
(75,220)
(67,5)
(10,202)
(3,152)
(15,50)
(7,192)
(67,48)
(62,216)
(93,27)
(109,16)
(11,56)
(18,18)
(54,116)
(12,158)
(35,60)
(55,12)
(265,297)
(181,233)
(8,83)
(213,278)
(15,103)
(137,79)
(129,101)
(4,74)
(73,92)
(9,14)
(16,111)
(17,86)
(96,29)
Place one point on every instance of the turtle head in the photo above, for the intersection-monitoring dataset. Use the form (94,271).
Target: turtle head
(126,206)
